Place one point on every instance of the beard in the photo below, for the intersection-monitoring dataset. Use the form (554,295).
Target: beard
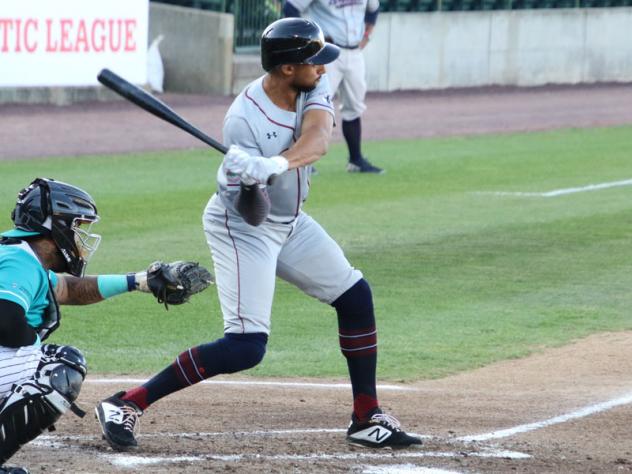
(304,87)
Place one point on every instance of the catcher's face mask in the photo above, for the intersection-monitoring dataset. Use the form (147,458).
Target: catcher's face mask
(86,242)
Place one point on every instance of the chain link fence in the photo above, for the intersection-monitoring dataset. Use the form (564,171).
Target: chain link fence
(251,17)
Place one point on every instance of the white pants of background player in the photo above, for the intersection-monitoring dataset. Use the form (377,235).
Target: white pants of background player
(247,260)
(347,77)
(17,366)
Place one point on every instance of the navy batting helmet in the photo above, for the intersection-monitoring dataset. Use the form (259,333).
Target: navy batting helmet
(295,41)
(57,210)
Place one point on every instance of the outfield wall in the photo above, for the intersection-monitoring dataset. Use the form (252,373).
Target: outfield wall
(197,50)
(525,48)
(407,51)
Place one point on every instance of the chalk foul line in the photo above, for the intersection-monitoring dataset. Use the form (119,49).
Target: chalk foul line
(272,383)
(131,461)
(562,192)
(581,413)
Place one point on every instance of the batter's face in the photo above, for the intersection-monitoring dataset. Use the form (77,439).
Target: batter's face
(306,76)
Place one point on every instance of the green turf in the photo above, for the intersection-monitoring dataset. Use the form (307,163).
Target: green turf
(460,278)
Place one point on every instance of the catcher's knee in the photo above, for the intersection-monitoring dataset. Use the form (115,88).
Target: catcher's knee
(36,404)
(64,368)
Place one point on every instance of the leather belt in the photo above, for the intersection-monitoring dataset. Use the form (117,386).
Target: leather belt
(330,40)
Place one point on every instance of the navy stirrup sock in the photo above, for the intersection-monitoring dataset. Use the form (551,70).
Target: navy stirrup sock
(358,343)
(352,131)
(232,353)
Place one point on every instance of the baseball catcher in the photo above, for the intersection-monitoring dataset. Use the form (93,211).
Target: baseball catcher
(42,264)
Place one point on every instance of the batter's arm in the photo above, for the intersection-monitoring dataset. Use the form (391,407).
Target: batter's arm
(313,142)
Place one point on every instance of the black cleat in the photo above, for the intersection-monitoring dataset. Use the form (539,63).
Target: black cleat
(380,431)
(363,166)
(13,470)
(119,421)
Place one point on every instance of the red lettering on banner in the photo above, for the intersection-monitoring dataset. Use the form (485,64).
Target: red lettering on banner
(98,43)
(18,35)
(30,46)
(82,37)
(130,28)
(115,48)
(50,46)
(68,35)
(66,43)
(5,24)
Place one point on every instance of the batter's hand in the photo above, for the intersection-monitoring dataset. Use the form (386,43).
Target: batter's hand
(235,160)
(260,169)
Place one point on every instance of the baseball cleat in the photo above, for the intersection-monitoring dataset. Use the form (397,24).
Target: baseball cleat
(13,470)
(363,166)
(380,431)
(119,421)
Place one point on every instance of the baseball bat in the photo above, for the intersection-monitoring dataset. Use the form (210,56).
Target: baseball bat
(155,106)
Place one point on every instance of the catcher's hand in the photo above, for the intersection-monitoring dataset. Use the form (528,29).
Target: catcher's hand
(174,283)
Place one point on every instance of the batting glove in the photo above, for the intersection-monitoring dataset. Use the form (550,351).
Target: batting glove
(235,160)
(260,169)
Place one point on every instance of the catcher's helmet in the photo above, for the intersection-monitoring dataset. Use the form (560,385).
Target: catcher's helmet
(295,41)
(57,210)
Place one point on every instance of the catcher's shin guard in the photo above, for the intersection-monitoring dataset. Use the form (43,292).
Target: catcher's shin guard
(35,405)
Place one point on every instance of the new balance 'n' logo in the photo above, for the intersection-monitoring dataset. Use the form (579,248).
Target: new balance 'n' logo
(379,434)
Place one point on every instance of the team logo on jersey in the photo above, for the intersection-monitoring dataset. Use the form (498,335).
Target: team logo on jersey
(271,135)
(345,3)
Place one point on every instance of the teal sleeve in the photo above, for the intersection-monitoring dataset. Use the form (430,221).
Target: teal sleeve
(112,285)
(53,278)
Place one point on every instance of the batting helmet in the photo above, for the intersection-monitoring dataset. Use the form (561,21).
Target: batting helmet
(57,210)
(295,41)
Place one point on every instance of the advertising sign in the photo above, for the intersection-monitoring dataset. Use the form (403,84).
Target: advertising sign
(67,42)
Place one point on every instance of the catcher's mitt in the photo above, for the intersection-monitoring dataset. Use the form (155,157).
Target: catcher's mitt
(173,283)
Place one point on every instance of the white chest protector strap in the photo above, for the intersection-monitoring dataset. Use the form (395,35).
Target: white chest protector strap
(52,315)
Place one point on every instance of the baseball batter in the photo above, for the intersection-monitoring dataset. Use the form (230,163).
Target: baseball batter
(278,126)
(42,261)
(348,24)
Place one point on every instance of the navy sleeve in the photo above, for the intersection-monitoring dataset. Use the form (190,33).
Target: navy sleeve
(371,17)
(290,10)
(14,330)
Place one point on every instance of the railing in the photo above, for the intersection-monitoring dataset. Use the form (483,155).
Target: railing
(252,16)
(469,5)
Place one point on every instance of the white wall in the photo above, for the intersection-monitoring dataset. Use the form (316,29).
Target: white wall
(526,48)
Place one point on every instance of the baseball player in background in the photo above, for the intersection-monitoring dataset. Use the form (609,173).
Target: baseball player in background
(279,125)
(348,24)
(42,261)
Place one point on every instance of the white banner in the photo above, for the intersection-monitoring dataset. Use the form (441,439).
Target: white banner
(67,42)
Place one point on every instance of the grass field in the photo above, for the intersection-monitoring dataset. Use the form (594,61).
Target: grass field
(461,276)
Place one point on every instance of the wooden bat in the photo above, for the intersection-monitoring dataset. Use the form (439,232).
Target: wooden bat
(250,201)
(155,106)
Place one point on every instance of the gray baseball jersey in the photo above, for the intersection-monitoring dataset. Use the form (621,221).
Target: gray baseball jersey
(261,128)
(289,244)
(341,20)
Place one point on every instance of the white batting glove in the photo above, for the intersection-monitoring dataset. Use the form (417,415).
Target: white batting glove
(235,160)
(260,169)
